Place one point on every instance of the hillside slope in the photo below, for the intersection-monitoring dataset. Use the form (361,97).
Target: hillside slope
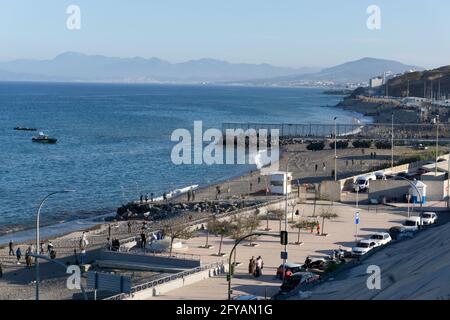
(418,268)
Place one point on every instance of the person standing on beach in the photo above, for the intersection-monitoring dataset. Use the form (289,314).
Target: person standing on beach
(146,197)
(189,195)
(109,231)
(142,198)
(193,195)
(18,255)
(129,226)
(11,248)
(151,196)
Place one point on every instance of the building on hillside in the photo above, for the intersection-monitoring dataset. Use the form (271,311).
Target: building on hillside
(376,82)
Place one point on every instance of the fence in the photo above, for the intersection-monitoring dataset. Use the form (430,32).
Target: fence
(160,281)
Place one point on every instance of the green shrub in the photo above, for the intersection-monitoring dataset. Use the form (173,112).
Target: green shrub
(383,144)
(315,146)
(362,143)
(339,144)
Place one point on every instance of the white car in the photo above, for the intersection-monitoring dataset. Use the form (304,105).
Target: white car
(363,246)
(380,238)
(412,223)
(428,218)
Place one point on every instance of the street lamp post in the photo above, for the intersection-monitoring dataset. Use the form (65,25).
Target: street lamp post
(392,142)
(437,144)
(38,214)
(357,207)
(335,149)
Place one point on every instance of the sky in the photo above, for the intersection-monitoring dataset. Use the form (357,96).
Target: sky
(293,33)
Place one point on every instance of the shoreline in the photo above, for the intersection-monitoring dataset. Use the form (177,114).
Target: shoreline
(63,229)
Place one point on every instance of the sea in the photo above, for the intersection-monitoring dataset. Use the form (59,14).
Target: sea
(114,143)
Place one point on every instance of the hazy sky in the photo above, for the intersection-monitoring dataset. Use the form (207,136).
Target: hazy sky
(281,32)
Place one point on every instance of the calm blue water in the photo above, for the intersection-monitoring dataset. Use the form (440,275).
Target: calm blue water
(114,140)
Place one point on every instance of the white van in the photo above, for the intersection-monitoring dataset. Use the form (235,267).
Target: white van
(363,182)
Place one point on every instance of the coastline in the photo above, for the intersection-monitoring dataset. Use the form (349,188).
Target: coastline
(62,229)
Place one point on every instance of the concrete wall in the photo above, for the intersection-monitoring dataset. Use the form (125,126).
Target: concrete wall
(391,189)
(178,283)
(330,190)
(396,189)
(149,259)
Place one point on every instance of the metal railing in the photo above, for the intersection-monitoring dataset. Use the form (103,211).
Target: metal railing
(163,280)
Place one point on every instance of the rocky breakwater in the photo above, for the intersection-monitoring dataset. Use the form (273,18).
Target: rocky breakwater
(160,211)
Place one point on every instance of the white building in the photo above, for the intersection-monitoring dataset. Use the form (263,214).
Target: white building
(376,82)
(280,182)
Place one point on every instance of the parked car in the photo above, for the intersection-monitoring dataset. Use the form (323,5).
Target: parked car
(363,182)
(421,147)
(380,238)
(428,218)
(363,246)
(290,269)
(412,223)
(297,279)
(380,175)
(400,233)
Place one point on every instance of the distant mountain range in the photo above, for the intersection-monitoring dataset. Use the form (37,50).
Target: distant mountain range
(74,66)
(350,72)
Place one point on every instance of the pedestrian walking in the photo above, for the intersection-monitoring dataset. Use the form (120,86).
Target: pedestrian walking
(1,270)
(189,195)
(27,256)
(143,240)
(18,255)
(109,231)
(42,248)
(252,266)
(318,228)
(324,167)
(146,198)
(346,163)
(129,226)
(142,198)
(259,180)
(316,167)
(251,186)
(374,155)
(193,195)
(151,196)
(49,247)
(11,248)
(259,266)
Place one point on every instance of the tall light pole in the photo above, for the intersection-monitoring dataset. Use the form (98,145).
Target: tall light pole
(357,209)
(437,144)
(335,149)
(392,143)
(38,214)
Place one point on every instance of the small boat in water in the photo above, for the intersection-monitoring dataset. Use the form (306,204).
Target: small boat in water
(18,128)
(43,138)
